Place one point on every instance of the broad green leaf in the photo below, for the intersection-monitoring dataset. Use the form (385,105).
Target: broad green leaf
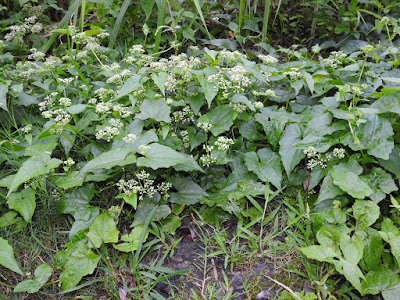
(76,109)
(160,156)
(103,229)
(379,280)
(351,271)
(33,167)
(188,166)
(83,219)
(81,262)
(392,164)
(320,253)
(366,213)
(351,183)
(209,88)
(392,294)
(352,248)
(160,79)
(171,224)
(381,184)
(146,206)
(131,240)
(373,247)
(70,180)
(24,203)
(188,193)
(328,190)
(147,6)
(131,199)
(375,134)
(157,110)
(42,274)
(290,157)
(388,103)
(273,123)
(9,218)
(129,86)
(391,234)
(7,257)
(309,81)
(41,147)
(329,237)
(221,119)
(248,130)
(266,164)
(3,96)
(107,160)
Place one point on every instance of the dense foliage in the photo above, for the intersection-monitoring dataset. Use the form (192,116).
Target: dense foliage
(204,127)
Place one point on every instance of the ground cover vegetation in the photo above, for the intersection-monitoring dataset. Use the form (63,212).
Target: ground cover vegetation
(199,149)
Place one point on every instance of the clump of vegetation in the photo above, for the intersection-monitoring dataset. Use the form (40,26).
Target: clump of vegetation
(121,138)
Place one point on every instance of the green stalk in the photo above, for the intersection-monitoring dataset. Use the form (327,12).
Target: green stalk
(118,22)
(160,22)
(267,7)
(241,13)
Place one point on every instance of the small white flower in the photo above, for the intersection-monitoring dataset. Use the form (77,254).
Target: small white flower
(143,149)
(130,138)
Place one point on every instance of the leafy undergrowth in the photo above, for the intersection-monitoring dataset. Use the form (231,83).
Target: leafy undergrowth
(276,175)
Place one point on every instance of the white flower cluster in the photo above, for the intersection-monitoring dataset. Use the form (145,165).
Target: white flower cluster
(293,74)
(66,81)
(258,105)
(69,162)
(123,111)
(185,138)
(119,77)
(108,133)
(60,116)
(130,138)
(231,56)
(268,59)
(48,101)
(240,78)
(143,149)
(238,107)
(207,159)
(65,101)
(205,126)
(339,153)
(223,143)
(316,159)
(103,107)
(27,129)
(136,50)
(36,55)
(19,31)
(185,115)
(142,185)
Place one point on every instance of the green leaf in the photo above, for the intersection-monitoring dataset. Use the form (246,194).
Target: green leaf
(7,257)
(266,164)
(391,234)
(42,274)
(129,86)
(107,160)
(351,271)
(9,218)
(81,262)
(392,164)
(171,224)
(373,248)
(392,294)
(381,183)
(160,79)
(351,183)
(103,229)
(131,200)
(147,6)
(352,248)
(157,110)
(23,202)
(221,119)
(388,103)
(366,213)
(375,134)
(379,280)
(3,96)
(189,192)
(328,190)
(273,123)
(160,156)
(209,88)
(290,157)
(320,253)
(147,206)
(131,240)
(33,167)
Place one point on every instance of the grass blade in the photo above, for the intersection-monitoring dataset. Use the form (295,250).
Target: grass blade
(198,7)
(160,22)
(118,22)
